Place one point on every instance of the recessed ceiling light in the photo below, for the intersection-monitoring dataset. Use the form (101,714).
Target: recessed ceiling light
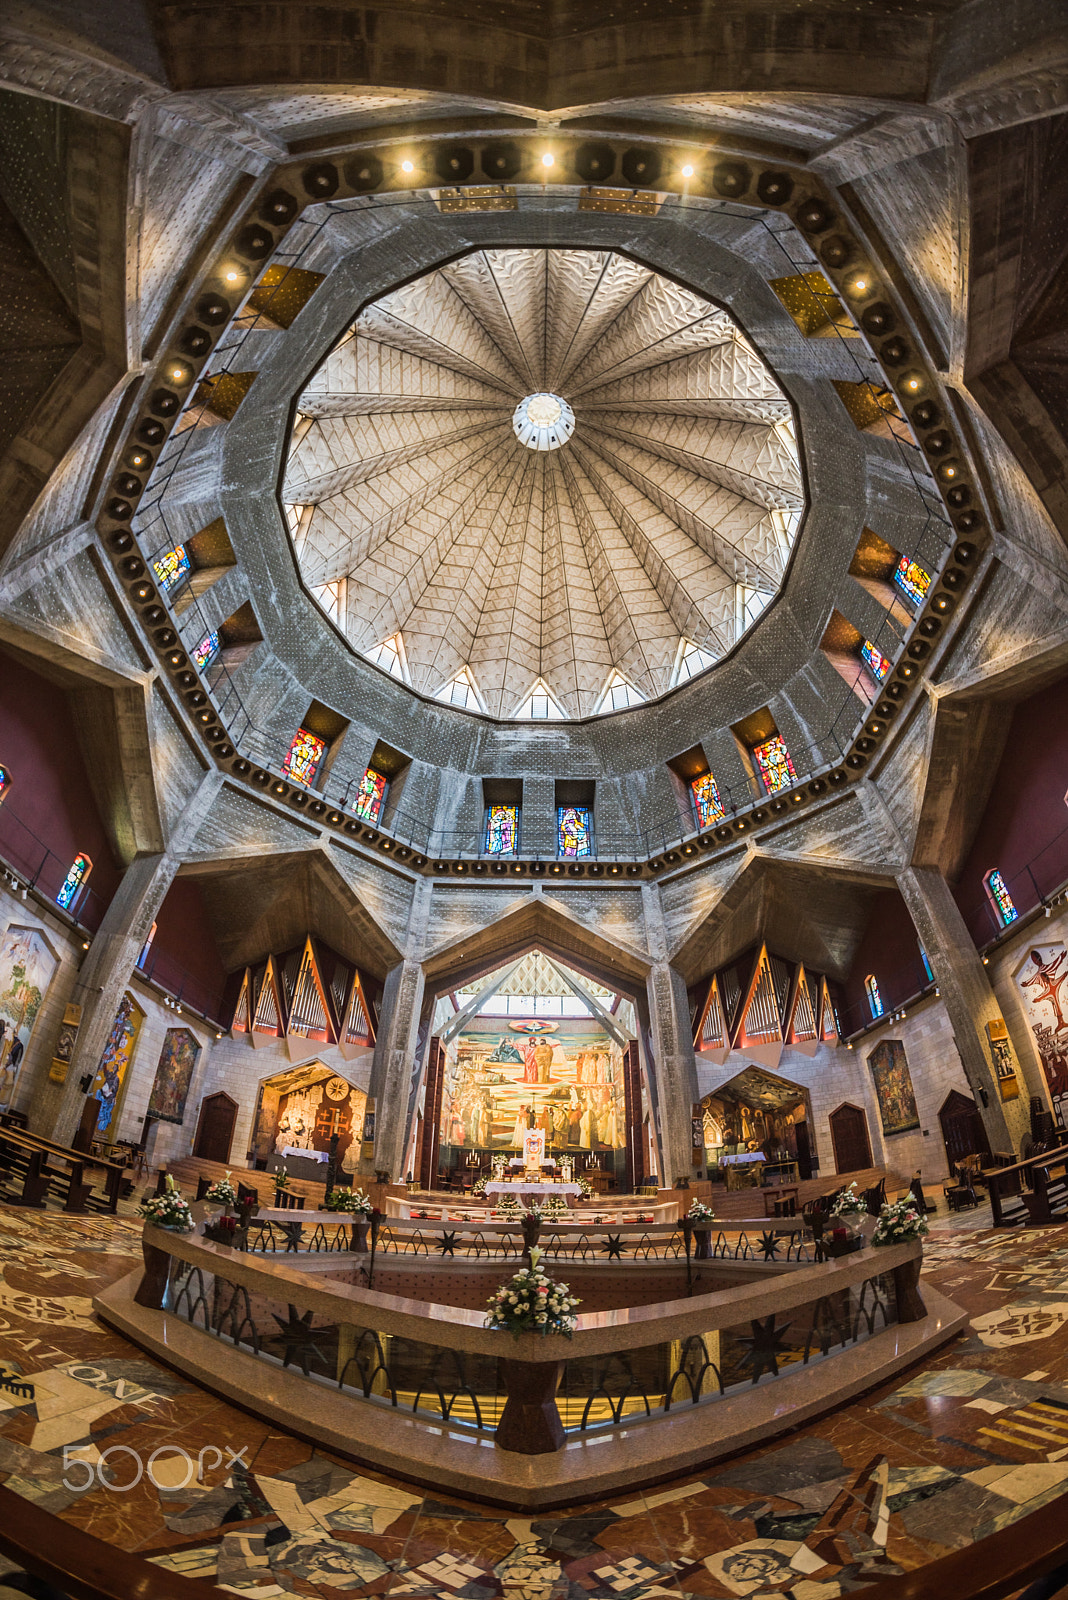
(547,159)
(407,166)
(687,172)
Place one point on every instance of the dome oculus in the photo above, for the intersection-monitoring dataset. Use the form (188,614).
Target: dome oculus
(428,498)
(543,421)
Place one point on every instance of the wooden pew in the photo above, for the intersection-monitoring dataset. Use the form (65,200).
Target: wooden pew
(1047,1200)
(43,1163)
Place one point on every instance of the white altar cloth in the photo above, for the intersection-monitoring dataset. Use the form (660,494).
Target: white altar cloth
(540,1189)
(307,1155)
(741,1161)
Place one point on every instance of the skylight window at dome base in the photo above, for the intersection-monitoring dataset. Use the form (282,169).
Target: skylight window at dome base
(546,569)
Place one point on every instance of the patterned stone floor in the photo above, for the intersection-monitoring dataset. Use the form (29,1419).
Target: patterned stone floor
(972,1440)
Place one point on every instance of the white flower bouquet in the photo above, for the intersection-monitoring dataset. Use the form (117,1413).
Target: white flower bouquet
(899,1221)
(584,1188)
(479,1185)
(533,1303)
(699,1212)
(168,1210)
(552,1208)
(353,1201)
(849,1203)
(221,1193)
(508,1206)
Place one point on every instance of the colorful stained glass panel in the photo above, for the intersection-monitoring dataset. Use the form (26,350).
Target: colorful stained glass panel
(371,795)
(502,830)
(875,999)
(5,782)
(774,764)
(1002,899)
(72,883)
(206,650)
(173,567)
(875,659)
(912,580)
(926,964)
(304,755)
(574,827)
(707,803)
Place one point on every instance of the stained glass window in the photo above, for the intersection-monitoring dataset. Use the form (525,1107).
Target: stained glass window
(72,884)
(173,567)
(774,764)
(207,650)
(912,580)
(1000,898)
(875,659)
(574,828)
(502,830)
(303,757)
(146,947)
(5,782)
(371,795)
(875,999)
(707,803)
(926,964)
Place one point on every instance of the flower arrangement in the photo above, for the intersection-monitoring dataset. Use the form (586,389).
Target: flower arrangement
(168,1210)
(533,1303)
(699,1212)
(479,1185)
(584,1188)
(552,1207)
(281,1178)
(899,1221)
(353,1201)
(221,1193)
(508,1206)
(849,1203)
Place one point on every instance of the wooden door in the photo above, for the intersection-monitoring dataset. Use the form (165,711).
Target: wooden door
(963,1133)
(849,1139)
(215,1130)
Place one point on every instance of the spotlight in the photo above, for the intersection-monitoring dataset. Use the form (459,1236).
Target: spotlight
(85,944)
(232,276)
(407,166)
(860,284)
(986,961)
(1049,911)
(547,159)
(687,171)
(218,1036)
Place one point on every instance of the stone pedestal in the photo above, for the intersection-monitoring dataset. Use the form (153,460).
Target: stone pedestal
(153,1286)
(910,1306)
(530,1423)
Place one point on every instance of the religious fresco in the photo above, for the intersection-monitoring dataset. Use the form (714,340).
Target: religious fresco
(753,1111)
(27,967)
(174,1074)
(564,1080)
(1042,979)
(297,1114)
(110,1076)
(893,1087)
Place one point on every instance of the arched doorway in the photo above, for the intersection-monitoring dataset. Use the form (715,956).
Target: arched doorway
(849,1139)
(963,1133)
(215,1128)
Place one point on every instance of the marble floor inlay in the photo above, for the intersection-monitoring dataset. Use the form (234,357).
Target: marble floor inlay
(964,1445)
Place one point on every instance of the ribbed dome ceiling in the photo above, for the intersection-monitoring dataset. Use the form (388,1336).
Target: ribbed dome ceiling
(665,521)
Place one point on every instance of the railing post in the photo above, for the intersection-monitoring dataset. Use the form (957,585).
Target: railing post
(152,1290)
(910,1306)
(530,1423)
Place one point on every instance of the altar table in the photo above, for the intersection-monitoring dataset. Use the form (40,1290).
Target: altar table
(541,1190)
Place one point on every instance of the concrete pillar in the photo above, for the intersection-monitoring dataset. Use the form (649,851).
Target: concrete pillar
(673,1065)
(396,1050)
(106,970)
(969,1000)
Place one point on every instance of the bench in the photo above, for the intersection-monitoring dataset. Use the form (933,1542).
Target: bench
(44,1167)
(1046,1201)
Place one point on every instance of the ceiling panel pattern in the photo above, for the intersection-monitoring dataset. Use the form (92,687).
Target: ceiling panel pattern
(680,489)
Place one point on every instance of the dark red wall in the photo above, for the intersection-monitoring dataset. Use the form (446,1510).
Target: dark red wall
(184,957)
(891,950)
(1024,830)
(49,803)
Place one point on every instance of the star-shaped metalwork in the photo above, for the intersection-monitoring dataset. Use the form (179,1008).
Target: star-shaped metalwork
(297,1338)
(769,1243)
(448,1244)
(292,1232)
(613,1245)
(765,1346)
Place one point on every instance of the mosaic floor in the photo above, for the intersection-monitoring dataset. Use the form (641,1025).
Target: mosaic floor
(973,1440)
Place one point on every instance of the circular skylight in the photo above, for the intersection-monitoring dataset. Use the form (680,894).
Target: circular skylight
(543,421)
(455,545)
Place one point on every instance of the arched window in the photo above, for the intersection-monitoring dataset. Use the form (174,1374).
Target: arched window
(706,800)
(502,830)
(875,999)
(74,882)
(926,964)
(1000,898)
(146,947)
(371,795)
(5,782)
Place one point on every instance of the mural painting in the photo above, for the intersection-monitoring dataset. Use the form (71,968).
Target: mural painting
(1042,979)
(893,1087)
(174,1074)
(110,1076)
(565,1080)
(301,1112)
(752,1112)
(26,970)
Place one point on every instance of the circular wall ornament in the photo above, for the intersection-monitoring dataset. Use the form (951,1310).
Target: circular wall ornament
(543,421)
